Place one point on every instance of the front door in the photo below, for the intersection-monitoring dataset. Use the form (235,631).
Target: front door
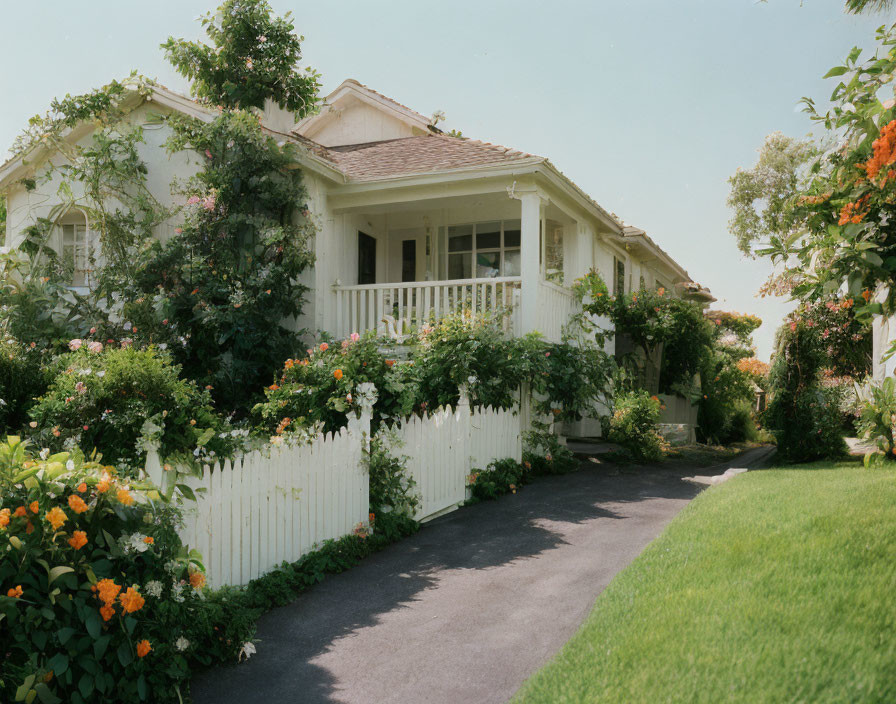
(366,259)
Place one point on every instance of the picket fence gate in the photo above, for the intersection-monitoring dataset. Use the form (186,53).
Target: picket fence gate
(275,505)
(444,447)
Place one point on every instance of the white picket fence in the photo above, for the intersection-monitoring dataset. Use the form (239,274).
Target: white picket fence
(442,449)
(266,507)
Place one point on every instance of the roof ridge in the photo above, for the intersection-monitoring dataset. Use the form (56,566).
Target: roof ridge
(423,118)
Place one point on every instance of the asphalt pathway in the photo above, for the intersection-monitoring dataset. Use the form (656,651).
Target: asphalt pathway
(465,610)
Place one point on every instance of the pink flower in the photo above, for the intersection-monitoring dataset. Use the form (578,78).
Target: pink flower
(95,346)
(209,203)
(75,345)
(92,331)
(355,337)
(80,388)
(126,342)
(178,230)
(192,200)
(208,153)
(310,352)
(547,354)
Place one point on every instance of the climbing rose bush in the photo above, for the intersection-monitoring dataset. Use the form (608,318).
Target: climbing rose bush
(99,601)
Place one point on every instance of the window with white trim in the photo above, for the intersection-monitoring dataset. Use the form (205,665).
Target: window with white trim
(78,248)
(483,250)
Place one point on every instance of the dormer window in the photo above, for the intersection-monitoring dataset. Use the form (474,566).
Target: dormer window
(78,248)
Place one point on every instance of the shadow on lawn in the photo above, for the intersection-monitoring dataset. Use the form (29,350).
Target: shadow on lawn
(483,536)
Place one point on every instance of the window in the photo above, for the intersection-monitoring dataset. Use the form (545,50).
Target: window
(618,277)
(78,248)
(484,250)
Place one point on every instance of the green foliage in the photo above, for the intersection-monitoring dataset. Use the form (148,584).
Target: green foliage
(544,454)
(760,197)
(802,414)
(23,377)
(320,389)
(633,425)
(109,399)
(90,569)
(842,214)
(499,478)
(878,404)
(393,496)
(654,321)
(224,290)
(254,56)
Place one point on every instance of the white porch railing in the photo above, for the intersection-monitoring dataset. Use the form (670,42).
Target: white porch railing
(362,308)
(556,305)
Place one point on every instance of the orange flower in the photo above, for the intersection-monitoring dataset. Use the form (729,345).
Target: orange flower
(4,517)
(143,648)
(35,507)
(149,540)
(273,387)
(197,580)
(338,374)
(371,517)
(131,601)
(124,497)
(390,362)
(15,592)
(324,347)
(107,590)
(20,511)
(76,503)
(82,487)
(29,529)
(107,612)
(104,484)
(78,539)
(57,518)
(866,294)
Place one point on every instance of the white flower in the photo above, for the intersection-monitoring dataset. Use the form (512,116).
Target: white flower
(45,453)
(85,372)
(70,465)
(153,588)
(101,374)
(176,589)
(181,644)
(248,650)
(135,543)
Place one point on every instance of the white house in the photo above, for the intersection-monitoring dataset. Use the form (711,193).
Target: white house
(411,221)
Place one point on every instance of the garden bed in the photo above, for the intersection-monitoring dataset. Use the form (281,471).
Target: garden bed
(777,586)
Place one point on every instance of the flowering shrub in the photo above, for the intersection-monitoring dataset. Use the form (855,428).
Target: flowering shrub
(543,453)
(633,425)
(108,398)
(320,388)
(99,602)
(23,378)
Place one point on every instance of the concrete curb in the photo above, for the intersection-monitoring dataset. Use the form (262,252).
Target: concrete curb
(752,459)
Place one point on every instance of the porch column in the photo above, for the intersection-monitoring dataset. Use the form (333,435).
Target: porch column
(530,270)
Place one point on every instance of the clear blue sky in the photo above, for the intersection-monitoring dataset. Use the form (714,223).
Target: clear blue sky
(648,105)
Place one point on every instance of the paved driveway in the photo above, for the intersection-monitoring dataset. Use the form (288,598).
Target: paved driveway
(465,610)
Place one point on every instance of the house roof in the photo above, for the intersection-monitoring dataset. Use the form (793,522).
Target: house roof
(416,155)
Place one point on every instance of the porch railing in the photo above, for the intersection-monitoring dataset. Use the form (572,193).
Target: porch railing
(556,305)
(362,308)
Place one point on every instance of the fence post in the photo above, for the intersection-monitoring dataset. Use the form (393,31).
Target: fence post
(153,468)
(366,396)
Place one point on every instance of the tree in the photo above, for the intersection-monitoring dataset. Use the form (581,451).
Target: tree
(255,56)
(857,7)
(760,197)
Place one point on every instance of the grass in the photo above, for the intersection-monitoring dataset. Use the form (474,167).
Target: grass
(778,586)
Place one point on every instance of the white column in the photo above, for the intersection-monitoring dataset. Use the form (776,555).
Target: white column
(531,204)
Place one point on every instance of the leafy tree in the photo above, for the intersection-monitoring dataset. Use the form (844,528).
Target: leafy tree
(859,6)
(254,56)
(760,197)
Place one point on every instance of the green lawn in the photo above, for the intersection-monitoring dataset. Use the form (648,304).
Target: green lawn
(778,586)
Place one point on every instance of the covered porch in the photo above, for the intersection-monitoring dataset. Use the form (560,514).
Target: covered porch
(393,266)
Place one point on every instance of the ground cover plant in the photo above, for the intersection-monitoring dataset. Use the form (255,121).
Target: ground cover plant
(776,585)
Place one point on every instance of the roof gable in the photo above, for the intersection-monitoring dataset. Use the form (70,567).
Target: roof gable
(355,114)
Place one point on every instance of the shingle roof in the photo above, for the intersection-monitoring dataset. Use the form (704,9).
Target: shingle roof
(417,155)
